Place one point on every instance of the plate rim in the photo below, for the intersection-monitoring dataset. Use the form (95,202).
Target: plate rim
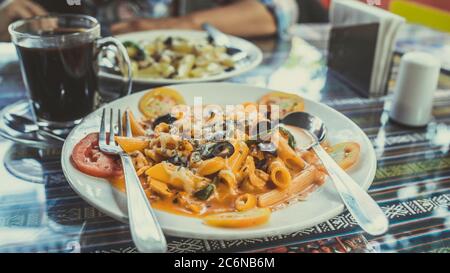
(218,77)
(243,233)
(4,128)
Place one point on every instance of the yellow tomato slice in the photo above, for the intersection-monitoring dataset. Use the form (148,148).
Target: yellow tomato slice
(346,154)
(240,219)
(159,101)
(285,101)
(131,144)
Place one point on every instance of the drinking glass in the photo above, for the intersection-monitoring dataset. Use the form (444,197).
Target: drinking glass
(60,56)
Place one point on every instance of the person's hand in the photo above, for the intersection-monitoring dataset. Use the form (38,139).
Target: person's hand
(152,24)
(20,9)
(12,10)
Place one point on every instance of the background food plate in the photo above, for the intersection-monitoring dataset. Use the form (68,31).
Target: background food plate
(320,206)
(255,55)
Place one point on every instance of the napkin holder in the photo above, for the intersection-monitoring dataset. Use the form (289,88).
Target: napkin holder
(361,45)
(351,54)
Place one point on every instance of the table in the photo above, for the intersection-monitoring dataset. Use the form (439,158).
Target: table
(39,212)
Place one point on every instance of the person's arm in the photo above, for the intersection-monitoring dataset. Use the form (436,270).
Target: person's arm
(242,18)
(16,9)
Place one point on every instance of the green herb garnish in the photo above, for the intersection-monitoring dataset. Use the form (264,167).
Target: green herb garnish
(135,52)
(291,139)
(206,192)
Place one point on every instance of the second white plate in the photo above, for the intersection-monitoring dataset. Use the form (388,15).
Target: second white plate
(255,55)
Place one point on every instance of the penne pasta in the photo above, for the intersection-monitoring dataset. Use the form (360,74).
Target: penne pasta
(287,154)
(211,166)
(263,175)
(139,160)
(153,156)
(245,202)
(320,178)
(249,171)
(299,183)
(236,160)
(279,174)
(142,170)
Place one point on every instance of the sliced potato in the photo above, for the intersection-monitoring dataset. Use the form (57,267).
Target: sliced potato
(240,219)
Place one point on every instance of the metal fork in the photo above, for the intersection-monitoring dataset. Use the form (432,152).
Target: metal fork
(145,229)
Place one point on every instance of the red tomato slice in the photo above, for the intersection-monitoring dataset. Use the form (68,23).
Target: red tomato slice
(87,158)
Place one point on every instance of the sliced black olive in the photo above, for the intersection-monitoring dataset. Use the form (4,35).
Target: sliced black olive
(205,193)
(168,42)
(291,139)
(268,147)
(140,53)
(229,69)
(210,40)
(168,118)
(223,149)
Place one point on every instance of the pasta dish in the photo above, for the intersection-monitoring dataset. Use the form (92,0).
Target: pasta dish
(231,166)
(177,58)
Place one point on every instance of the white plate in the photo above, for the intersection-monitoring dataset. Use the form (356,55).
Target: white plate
(255,56)
(321,205)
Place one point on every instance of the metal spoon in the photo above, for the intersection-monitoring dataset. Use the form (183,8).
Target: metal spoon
(363,208)
(221,39)
(26,125)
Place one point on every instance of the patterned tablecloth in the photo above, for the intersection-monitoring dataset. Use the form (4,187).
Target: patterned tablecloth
(39,212)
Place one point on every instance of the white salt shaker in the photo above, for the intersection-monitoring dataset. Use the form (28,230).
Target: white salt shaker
(417,80)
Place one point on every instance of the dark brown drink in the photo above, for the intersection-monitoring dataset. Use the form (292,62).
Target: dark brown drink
(62,81)
(60,56)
